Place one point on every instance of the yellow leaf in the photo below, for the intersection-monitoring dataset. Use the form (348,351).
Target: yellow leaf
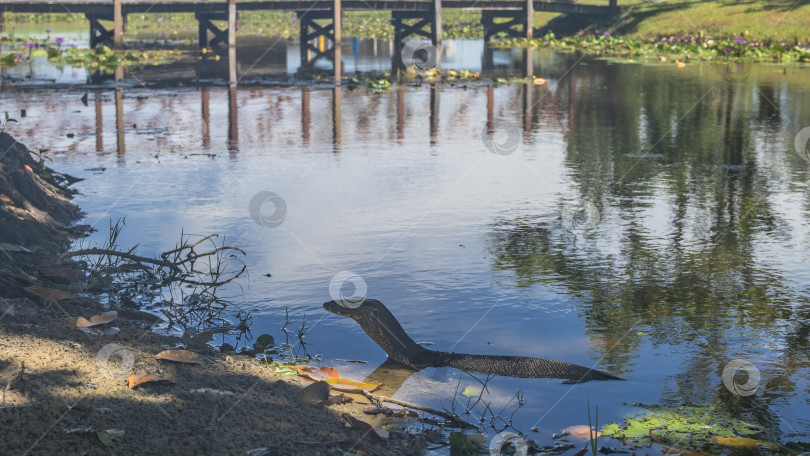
(470,391)
(345,385)
(742,442)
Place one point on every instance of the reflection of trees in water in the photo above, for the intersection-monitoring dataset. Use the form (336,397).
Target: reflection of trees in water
(685,228)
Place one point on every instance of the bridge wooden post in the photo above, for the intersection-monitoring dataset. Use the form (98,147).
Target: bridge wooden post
(231,23)
(337,23)
(119,113)
(118,24)
(436,26)
(528,24)
(233,77)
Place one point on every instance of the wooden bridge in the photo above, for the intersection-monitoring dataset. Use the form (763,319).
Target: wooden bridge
(320,20)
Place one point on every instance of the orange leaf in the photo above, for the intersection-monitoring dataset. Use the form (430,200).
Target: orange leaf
(331,376)
(106,317)
(181,356)
(50,294)
(582,431)
(329,372)
(322,373)
(382,434)
(138,380)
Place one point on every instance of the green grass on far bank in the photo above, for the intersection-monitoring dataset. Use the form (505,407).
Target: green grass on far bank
(772,20)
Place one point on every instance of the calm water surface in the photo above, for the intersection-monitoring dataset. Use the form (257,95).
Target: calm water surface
(651,221)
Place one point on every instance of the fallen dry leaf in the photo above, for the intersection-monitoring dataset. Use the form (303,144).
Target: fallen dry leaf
(382,434)
(322,373)
(50,294)
(138,380)
(344,385)
(100,319)
(182,356)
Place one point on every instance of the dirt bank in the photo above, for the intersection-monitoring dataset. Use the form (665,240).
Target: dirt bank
(64,391)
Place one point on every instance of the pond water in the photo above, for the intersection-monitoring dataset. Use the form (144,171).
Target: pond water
(647,220)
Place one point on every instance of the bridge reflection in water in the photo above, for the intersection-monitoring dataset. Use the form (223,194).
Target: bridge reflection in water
(133,80)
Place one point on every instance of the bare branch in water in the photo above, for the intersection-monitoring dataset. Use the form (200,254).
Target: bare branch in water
(450,417)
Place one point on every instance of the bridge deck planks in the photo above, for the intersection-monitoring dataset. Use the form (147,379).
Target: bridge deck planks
(150,6)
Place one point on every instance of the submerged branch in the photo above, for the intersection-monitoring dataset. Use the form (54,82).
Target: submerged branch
(455,419)
(128,256)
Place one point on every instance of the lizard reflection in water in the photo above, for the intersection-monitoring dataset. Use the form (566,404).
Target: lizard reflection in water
(406,357)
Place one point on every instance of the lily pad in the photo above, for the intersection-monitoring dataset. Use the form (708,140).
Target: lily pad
(686,427)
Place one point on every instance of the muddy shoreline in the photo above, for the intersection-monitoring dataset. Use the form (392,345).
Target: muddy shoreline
(66,392)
